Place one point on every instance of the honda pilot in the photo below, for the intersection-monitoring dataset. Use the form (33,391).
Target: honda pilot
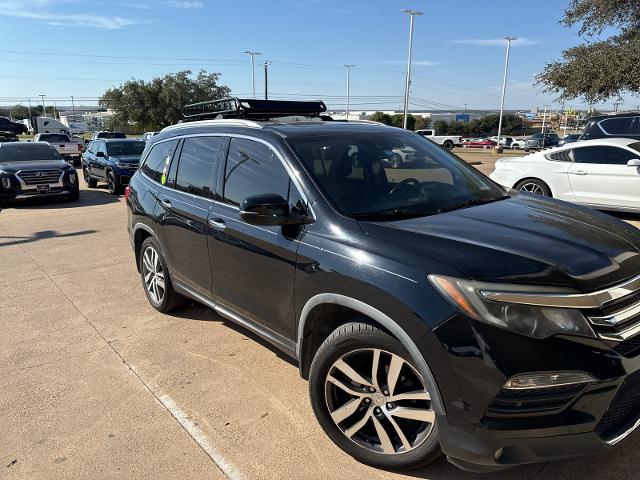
(432,310)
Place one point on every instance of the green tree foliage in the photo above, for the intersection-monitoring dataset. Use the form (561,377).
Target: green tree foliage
(422,123)
(395,120)
(601,68)
(19,112)
(158,103)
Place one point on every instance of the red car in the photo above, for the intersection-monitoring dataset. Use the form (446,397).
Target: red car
(478,143)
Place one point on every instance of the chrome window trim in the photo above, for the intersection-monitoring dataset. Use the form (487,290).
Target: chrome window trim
(566,300)
(293,174)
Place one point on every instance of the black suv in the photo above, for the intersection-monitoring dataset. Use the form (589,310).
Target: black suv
(431,309)
(11,128)
(626,125)
(35,170)
(111,161)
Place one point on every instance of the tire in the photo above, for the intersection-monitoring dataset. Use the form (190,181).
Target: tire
(534,185)
(74,196)
(162,299)
(113,184)
(88,179)
(448,145)
(354,345)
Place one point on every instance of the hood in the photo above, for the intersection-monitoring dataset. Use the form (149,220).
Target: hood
(525,239)
(125,158)
(13,167)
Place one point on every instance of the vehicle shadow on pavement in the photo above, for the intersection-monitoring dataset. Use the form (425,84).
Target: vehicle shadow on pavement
(88,198)
(6,241)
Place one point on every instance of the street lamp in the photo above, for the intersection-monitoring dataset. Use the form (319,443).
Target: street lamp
(253,69)
(504,85)
(44,110)
(348,67)
(411,13)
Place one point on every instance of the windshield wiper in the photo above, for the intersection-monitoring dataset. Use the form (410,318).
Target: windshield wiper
(391,214)
(471,203)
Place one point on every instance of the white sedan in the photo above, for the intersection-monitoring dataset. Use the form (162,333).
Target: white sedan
(602,173)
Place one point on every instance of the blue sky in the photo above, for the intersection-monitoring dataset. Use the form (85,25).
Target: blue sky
(458,55)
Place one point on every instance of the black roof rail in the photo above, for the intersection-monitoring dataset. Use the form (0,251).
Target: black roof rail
(255,109)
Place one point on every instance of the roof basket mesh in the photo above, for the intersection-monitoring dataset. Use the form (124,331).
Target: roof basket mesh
(234,107)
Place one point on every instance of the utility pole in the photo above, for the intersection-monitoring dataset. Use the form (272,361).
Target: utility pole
(407,86)
(44,109)
(348,67)
(504,86)
(253,69)
(73,108)
(266,80)
(544,118)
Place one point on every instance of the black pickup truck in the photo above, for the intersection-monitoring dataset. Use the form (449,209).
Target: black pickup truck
(9,128)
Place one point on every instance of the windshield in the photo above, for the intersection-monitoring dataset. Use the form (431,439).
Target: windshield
(53,137)
(27,152)
(125,148)
(391,174)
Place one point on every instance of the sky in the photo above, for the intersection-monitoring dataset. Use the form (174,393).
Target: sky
(61,48)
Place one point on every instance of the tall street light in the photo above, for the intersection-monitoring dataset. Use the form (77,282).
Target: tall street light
(253,69)
(44,110)
(504,85)
(348,67)
(411,13)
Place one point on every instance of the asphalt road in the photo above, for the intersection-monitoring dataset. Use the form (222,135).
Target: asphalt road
(94,383)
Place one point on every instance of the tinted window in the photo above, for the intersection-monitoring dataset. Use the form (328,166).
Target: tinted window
(617,126)
(196,168)
(603,155)
(158,160)
(253,169)
(563,156)
(54,138)
(111,135)
(125,148)
(21,152)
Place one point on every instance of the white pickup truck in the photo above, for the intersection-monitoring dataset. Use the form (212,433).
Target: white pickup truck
(447,141)
(69,148)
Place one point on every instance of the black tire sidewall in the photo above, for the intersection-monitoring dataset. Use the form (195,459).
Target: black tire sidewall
(166,303)
(328,353)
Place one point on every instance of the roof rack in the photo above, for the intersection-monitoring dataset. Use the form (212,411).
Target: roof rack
(254,109)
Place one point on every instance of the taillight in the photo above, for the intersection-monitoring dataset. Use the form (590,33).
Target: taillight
(126,193)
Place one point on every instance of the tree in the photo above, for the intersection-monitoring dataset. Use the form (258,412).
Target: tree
(422,123)
(19,112)
(601,68)
(157,103)
(381,117)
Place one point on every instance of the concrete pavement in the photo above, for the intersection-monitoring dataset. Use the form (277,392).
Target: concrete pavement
(94,383)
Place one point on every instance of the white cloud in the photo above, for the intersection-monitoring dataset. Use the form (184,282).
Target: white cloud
(184,4)
(495,42)
(422,63)
(41,10)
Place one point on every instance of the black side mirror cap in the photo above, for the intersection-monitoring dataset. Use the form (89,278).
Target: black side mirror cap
(100,154)
(269,209)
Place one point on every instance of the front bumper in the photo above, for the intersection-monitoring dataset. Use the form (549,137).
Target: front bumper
(487,428)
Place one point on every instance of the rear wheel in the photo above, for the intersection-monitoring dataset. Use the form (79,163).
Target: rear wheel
(155,278)
(448,144)
(371,400)
(91,182)
(534,185)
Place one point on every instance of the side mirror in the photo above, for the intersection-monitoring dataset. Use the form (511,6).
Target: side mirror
(634,162)
(99,154)
(267,209)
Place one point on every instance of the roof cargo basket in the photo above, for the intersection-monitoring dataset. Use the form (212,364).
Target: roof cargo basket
(234,107)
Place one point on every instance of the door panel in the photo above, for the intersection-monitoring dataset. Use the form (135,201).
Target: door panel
(600,176)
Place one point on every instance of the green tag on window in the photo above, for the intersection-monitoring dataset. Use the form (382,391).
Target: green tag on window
(163,180)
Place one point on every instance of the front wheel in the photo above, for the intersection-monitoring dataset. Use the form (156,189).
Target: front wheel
(91,182)
(113,184)
(371,400)
(534,185)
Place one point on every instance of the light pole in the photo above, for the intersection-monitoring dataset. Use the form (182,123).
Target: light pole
(44,109)
(266,80)
(348,67)
(544,119)
(504,85)
(253,69)
(407,86)
(73,109)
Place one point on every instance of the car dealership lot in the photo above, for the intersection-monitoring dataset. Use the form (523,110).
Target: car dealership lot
(97,384)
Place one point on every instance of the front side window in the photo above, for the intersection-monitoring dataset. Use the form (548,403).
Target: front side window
(158,160)
(391,174)
(253,169)
(618,126)
(603,155)
(197,165)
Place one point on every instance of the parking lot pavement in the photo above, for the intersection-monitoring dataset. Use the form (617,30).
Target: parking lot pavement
(94,383)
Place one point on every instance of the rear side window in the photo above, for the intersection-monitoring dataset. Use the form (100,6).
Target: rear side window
(603,155)
(197,165)
(253,169)
(618,126)
(158,160)
(564,156)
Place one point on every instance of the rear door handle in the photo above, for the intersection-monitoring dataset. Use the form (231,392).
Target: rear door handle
(217,223)
(166,203)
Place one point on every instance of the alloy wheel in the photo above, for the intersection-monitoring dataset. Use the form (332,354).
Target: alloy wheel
(379,401)
(153,275)
(111,183)
(532,188)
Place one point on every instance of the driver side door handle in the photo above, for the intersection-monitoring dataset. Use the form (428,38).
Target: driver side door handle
(580,172)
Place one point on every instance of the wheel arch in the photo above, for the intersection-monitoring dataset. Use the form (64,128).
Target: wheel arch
(306,347)
(140,233)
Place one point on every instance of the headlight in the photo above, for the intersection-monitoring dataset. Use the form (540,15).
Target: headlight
(72,177)
(532,321)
